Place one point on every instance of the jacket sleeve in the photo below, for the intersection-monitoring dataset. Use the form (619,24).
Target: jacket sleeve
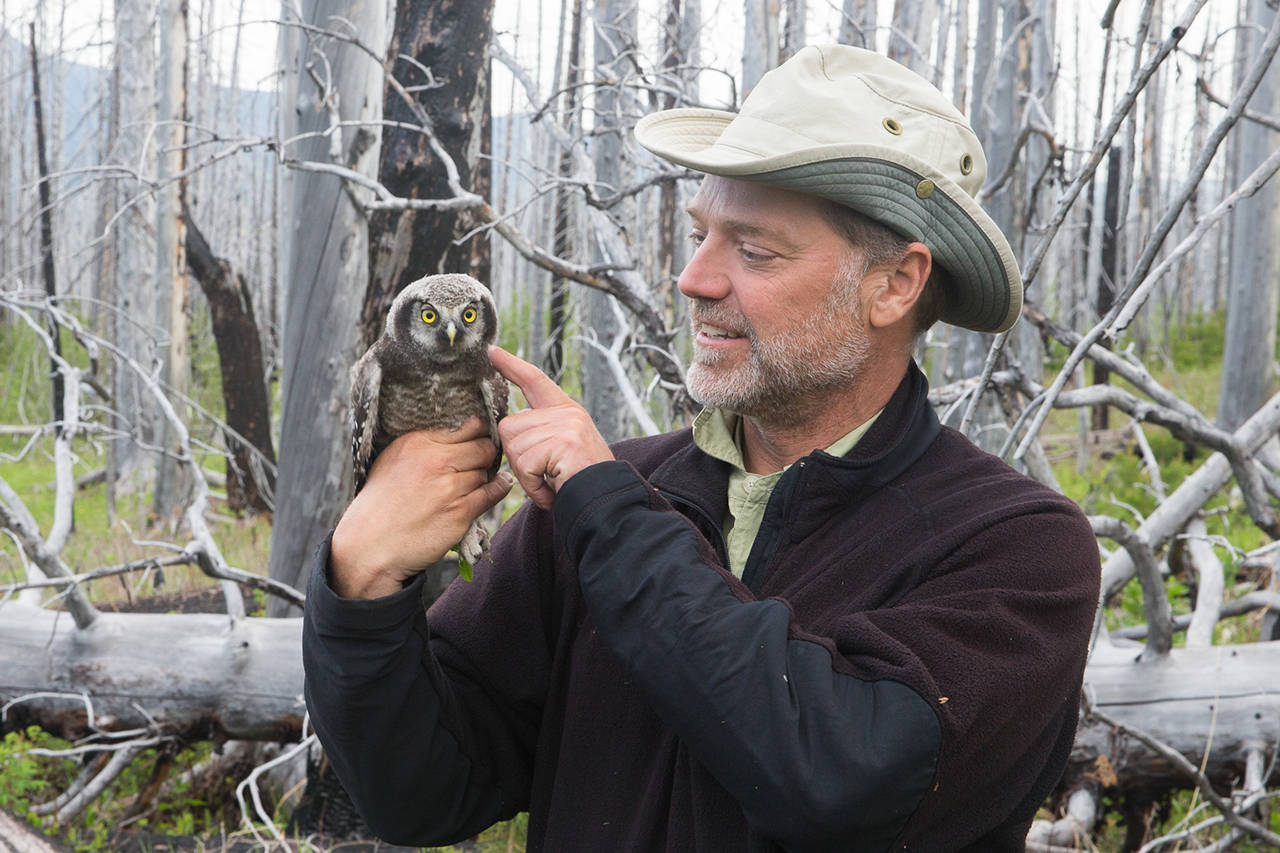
(427,754)
(829,741)
(818,759)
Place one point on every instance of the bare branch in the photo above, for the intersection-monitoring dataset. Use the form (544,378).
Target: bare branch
(1155,601)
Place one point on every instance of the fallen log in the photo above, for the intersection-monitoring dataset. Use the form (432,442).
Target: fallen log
(1219,700)
(200,677)
(214,677)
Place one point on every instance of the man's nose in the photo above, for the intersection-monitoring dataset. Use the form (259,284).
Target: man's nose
(705,276)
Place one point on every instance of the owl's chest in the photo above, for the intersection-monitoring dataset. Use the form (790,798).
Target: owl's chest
(432,402)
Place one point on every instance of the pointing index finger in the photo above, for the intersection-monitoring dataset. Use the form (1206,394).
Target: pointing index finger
(538,388)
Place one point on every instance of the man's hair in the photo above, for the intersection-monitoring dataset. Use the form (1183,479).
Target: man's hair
(879,244)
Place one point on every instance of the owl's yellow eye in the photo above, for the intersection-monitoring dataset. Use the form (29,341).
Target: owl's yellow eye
(469,316)
(428,316)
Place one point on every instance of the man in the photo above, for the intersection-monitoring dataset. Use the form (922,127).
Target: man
(815,621)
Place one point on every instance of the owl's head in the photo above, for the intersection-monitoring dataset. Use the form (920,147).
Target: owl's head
(444,317)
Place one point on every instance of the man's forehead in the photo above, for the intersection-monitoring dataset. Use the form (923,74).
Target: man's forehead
(750,206)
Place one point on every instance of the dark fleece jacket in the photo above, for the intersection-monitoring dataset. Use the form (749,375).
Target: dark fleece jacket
(898,669)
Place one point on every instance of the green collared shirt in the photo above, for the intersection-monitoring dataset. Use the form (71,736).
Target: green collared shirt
(718,433)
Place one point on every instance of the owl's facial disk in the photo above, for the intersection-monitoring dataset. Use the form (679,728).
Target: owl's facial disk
(447,332)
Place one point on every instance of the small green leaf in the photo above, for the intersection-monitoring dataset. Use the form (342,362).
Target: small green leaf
(464,568)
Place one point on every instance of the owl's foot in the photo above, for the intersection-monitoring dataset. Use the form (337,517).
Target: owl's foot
(475,544)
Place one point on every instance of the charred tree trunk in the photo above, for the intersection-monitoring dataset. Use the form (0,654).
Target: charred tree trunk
(250,485)
(451,40)
(46,229)
(1105,295)
(557,316)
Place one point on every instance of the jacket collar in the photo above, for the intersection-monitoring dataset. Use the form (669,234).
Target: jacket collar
(821,483)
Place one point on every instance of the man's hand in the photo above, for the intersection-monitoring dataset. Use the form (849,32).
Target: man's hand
(550,441)
(423,491)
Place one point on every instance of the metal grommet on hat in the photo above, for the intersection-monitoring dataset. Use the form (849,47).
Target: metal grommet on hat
(966,164)
(891,125)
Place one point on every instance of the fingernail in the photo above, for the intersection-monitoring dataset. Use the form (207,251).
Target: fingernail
(505,479)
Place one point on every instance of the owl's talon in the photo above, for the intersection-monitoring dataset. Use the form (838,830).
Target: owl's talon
(475,544)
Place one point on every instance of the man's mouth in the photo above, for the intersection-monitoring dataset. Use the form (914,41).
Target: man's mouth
(715,331)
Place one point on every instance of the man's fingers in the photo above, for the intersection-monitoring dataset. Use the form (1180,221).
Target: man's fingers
(487,496)
(476,452)
(469,429)
(538,388)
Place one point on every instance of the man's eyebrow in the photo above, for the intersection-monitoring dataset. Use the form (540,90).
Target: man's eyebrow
(740,227)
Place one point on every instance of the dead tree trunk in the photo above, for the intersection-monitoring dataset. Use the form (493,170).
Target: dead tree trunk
(326,268)
(170,267)
(563,242)
(251,458)
(759,41)
(1248,356)
(450,40)
(46,228)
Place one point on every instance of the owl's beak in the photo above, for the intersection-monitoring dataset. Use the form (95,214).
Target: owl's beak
(451,330)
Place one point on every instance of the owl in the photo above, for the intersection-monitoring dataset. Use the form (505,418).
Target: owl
(430,370)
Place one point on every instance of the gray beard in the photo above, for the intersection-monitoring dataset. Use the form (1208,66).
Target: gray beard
(784,382)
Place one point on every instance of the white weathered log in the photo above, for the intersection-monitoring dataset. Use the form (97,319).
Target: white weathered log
(200,676)
(17,836)
(210,676)
(1223,699)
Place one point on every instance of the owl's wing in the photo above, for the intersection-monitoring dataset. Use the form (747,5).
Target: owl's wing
(366,384)
(493,388)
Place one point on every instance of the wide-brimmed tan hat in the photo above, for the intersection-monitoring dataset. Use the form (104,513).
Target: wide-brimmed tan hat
(856,127)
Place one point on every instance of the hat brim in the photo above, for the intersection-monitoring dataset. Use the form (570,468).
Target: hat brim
(878,181)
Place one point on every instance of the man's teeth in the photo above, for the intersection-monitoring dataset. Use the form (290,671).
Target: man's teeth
(715,331)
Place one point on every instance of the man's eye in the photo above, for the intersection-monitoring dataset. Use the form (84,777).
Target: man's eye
(753,257)
(696,239)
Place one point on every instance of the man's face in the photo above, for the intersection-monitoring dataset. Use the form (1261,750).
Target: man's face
(777,323)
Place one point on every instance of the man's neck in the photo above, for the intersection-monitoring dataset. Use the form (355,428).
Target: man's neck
(769,446)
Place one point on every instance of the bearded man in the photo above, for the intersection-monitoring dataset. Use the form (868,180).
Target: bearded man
(816,620)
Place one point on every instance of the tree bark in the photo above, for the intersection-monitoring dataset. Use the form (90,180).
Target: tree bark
(47,268)
(911,37)
(1248,371)
(858,24)
(172,484)
(759,41)
(250,484)
(133,243)
(794,36)
(1180,698)
(451,39)
(563,242)
(326,260)
(615,28)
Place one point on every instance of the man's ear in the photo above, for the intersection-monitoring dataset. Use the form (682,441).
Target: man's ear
(898,286)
